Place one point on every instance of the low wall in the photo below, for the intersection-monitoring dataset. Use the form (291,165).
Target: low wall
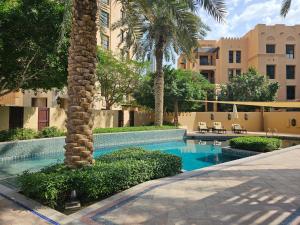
(281,121)
(191,119)
(31,148)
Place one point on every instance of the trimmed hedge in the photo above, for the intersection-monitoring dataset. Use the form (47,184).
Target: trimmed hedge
(128,129)
(257,144)
(17,134)
(48,132)
(111,174)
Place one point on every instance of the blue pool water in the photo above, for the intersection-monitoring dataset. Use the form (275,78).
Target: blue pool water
(193,154)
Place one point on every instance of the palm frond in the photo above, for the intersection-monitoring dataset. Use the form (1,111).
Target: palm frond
(285,8)
(215,8)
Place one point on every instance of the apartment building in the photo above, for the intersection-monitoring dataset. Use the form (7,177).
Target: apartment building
(110,12)
(273,50)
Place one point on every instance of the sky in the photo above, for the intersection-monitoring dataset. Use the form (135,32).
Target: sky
(243,15)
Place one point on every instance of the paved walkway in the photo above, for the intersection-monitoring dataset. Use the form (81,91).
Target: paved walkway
(263,189)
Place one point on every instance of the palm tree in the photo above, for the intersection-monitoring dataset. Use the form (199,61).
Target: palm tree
(285,8)
(81,79)
(163,27)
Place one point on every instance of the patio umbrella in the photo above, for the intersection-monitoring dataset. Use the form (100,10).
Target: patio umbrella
(235,114)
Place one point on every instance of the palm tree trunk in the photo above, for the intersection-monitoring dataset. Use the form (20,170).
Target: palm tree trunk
(81,84)
(159,84)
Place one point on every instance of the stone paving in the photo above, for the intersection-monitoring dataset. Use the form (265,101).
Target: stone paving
(262,189)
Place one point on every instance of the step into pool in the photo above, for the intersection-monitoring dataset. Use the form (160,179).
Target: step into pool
(194,154)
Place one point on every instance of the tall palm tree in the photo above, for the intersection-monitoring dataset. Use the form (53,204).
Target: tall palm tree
(285,8)
(163,27)
(81,79)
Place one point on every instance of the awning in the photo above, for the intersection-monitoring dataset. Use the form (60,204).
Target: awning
(258,104)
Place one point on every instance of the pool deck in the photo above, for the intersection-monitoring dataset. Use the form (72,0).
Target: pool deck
(262,189)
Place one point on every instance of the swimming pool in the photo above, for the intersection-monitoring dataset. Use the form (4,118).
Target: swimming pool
(194,156)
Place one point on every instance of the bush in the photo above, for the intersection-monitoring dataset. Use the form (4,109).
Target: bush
(111,174)
(128,129)
(258,144)
(48,132)
(17,134)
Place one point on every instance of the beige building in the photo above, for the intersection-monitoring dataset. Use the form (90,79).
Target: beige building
(273,50)
(110,13)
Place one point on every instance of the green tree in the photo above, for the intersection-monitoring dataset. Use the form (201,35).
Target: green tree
(161,27)
(285,8)
(117,77)
(180,86)
(31,55)
(249,86)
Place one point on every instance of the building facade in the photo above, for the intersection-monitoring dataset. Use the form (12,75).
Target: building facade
(110,12)
(273,50)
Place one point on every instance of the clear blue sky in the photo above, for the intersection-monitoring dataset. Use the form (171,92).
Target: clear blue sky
(243,15)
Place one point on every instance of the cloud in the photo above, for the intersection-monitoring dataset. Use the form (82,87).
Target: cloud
(243,15)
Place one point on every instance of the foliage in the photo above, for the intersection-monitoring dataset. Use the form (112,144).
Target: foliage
(17,134)
(179,87)
(130,129)
(117,77)
(285,8)
(48,132)
(32,55)
(249,86)
(111,174)
(258,144)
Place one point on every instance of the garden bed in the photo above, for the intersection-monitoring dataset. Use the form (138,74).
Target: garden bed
(112,173)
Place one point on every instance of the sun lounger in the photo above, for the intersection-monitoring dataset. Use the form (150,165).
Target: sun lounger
(202,127)
(238,129)
(217,127)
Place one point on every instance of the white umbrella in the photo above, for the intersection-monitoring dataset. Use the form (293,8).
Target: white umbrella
(235,114)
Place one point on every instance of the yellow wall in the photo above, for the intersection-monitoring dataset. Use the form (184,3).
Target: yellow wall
(105,118)
(190,120)
(4,118)
(31,118)
(57,118)
(281,121)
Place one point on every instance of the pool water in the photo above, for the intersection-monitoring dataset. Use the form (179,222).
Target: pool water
(194,156)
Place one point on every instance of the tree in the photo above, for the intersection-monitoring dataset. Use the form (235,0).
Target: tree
(249,86)
(161,27)
(31,53)
(117,77)
(81,84)
(285,8)
(180,87)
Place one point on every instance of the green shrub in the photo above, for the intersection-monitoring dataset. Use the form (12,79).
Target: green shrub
(128,129)
(17,134)
(258,144)
(111,174)
(51,132)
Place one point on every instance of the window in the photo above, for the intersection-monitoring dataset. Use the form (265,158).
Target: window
(204,60)
(105,2)
(105,42)
(104,18)
(290,92)
(230,57)
(238,56)
(270,48)
(238,71)
(230,74)
(271,71)
(290,51)
(290,72)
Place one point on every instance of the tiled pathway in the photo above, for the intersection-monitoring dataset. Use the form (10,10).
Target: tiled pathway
(263,189)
